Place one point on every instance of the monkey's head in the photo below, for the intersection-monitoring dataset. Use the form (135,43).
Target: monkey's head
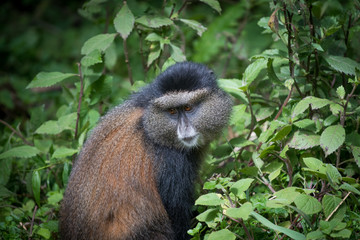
(184,107)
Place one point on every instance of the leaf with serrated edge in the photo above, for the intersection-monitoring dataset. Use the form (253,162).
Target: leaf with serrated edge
(213,3)
(315,103)
(356,153)
(124,21)
(92,58)
(307,204)
(329,203)
(154,22)
(303,140)
(223,234)
(340,91)
(210,199)
(20,152)
(342,64)
(200,29)
(100,42)
(242,212)
(332,138)
(47,79)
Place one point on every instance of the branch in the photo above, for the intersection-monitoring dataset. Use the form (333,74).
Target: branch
(127,62)
(80,99)
(288,19)
(32,221)
(337,207)
(285,102)
(17,133)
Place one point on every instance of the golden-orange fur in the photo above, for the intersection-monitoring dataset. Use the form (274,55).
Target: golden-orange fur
(116,203)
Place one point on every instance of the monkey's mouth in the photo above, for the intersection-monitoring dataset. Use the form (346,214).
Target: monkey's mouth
(190,142)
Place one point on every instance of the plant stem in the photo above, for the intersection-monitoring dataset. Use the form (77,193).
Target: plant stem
(17,133)
(127,62)
(80,99)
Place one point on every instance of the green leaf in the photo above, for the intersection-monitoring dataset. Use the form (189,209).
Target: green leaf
(124,21)
(55,127)
(223,234)
(305,123)
(214,4)
(345,233)
(315,235)
(210,199)
(153,56)
(307,204)
(241,185)
(273,175)
(44,232)
(349,188)
(99,42)
(154,22)
(288,193)
(332,138)
(333,174)
(271,73)
(315,164)
(280,135)
(242,212)
(177,54)
(36,184)
(92,58)
(356,153)
(288,232)
(303,140)
(20,152)
(54,198)
(208,216)
(233,86)
(47,79)
(62,152)
(200,29)
(253,70)
(340,91)
(315,103)
(342,64)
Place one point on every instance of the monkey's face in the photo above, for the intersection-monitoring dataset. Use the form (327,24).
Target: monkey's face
(186,120)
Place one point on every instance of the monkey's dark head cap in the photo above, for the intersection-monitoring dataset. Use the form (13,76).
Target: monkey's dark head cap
(185,76)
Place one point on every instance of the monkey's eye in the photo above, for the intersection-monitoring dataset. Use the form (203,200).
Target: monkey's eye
(172,111)
(187,108)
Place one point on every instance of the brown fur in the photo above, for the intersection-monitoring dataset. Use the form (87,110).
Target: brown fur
(109,202)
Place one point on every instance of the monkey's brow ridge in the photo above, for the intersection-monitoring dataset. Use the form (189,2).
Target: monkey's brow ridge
(180,98)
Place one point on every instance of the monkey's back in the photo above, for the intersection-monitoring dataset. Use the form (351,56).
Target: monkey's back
(112,193)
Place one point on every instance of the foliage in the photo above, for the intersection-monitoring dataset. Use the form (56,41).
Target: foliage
(289,168)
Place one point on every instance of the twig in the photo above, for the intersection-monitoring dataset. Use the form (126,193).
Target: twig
(172,10)
(288,19)
(32,221)
(266,182)
(285,102)
(127,62)
(337,207)
(17,133)
(80,99)
(342,119)
(141,48)
(288,167)
(182,7)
